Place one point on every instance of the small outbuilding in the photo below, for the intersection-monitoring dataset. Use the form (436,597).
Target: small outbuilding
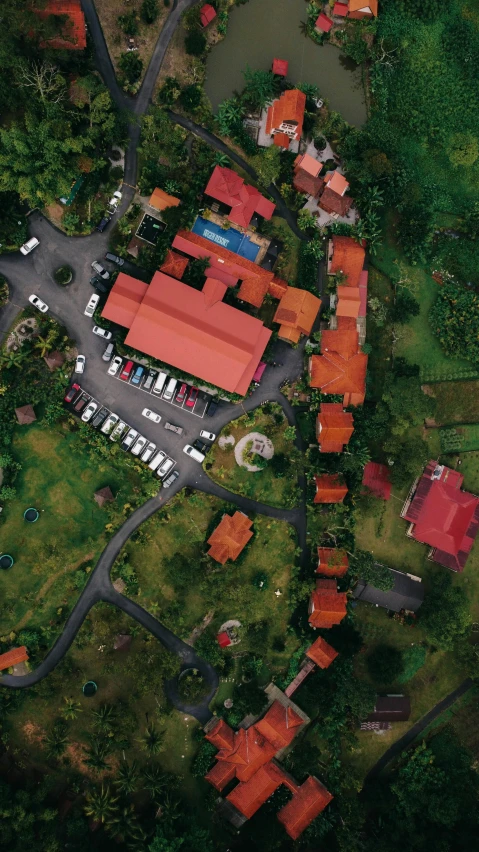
(377,479)
(25,415)
(280,67)
(323,23)
(329,488)
(13,657)
(391,708)
(207,14)
(54,360)
(122,642)
(104,495)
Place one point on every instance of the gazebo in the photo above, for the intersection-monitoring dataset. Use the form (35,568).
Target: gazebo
(54,360)
(25,415)
(104,495)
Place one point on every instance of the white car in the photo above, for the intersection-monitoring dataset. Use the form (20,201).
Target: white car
(115,365)
(114,201)
(129,439)
(157,460)
(27,247)
(210,436)
(80,364)
(89,411)
(100,270)
(148,452)
(165,468)
(139,445)
(151,415)
(118,430)
(37,303)
(110,423)
(195,454)
(101,332)
(90,308)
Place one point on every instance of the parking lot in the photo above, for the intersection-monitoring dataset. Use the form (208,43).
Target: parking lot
(199,407)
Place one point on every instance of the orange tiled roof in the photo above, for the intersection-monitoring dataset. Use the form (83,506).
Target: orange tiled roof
(356,6)
(332,562)
(253,290)
(331,202)
(221,774)
(230,537)
(334,374)
(307,163)
(248,797)
(349,302)
(174,264)
(281,140)
(277,288)
(329,488)
(13,657)
(336,182)
(279,725)
(287,109)
(160,200)
(334,427)
(321,653)
(348,258)
(221,736)
(73,35)
(250,751)
(306,804)
(292,335)
(327,606)
(297,309)
(344,340)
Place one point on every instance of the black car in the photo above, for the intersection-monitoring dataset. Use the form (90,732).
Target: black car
(212,408)
(98,284)
(113,258)
(148,379)
(99,417)
(201,446)
(102,225)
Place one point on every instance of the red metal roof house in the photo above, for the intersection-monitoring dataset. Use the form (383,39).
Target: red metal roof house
(329,488)
(280,67)
(207,14)
(332,562)
(323,23)
(327,606)
(230,189)
(377,479)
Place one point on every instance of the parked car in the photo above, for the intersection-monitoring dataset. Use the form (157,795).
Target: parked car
(190,451)
(171,479)
(148,379)
(118,430)
(80,364)
(98,284)
(165,468)
(110,424)
(172,428)
(159,384)
(192,397)
(181,395)
(148,452)
(71,393)
(103,223)
(129,438)
(99,417)
(81,401)
(91,307)
(100,270)
(37,303)
(113,258)
(125,373)
(115,365)
(89,411)
(151,415)
(108,352)
(139,445)
(137,375)
(208,436)
(114,202)
(157,460)
(169,390)
(212,408)
(30,244)
(101,332)
(201,446)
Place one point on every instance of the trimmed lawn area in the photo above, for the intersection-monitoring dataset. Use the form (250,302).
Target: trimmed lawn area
(261,485)
(456,402)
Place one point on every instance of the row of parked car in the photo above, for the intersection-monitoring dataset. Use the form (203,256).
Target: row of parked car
(116,429)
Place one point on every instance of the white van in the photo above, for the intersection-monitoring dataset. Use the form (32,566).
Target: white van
(157,460)
(160,383)
(195,454)
(29,245)
(170,389)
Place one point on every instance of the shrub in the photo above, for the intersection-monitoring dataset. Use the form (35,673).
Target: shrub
(117,172)
(405,307)
(192,686)
(195,43)
(385,664)
(131,66)
(190,98)
(149,11)
(413,659)
(63,275)
(129,23)
(4,291)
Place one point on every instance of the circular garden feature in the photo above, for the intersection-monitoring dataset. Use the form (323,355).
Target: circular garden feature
(192,686)
(89,688)
(63,275)
(6,561)
(31,515)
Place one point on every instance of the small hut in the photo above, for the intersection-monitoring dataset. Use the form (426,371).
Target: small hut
(104,495)
(54,360)
(25,415)
(122,642)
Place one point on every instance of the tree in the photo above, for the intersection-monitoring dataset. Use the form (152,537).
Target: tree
(101,804)
(405,307)
(104,717)
(445,614)
(152,740)
(267,165)
(407,403)
(155,780)
(260,88)
(129,23)
(454,319)
(131,66)
(463,149)
(195,42)
(306,220)
(71,709)
(127,777)
(190,97)
(97,752)
(385,664)
(364,567)
(149,11)
(70,222)
(45,79)
(229,116)
(56,740)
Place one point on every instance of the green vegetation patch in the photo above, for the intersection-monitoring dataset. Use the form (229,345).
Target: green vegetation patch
(456,402)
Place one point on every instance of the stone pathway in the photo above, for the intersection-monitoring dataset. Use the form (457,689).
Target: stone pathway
(261,445)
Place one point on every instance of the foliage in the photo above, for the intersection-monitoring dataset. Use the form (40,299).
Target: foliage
(63,275)
(192,686)
(267,165)
(190,97)
(405,307)
(413,659)
(454,320)
(445,614)
(364,566)
(131,66)
(129,23)
(149,11)
(310,253)
(385,664)
(261,87)
(195,43)
(408,405)
(203,760)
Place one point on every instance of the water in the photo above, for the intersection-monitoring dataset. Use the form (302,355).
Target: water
(231,239)
(261,30)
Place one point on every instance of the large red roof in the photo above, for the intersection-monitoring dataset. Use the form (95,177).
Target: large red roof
(443,516)
(377,478)
(334,427)
(329,488)
(321,653)
(228,187)
(13,657)
(287,110)
(306,804)
(348,258)
(332,562)
(327,606)
(230,537)
(249,796)
(192,330)
(279,725)
(74,31)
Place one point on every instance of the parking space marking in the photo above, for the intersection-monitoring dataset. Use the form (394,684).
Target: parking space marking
(172,402)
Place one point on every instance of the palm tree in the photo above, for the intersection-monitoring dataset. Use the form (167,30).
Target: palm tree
(123,825)
(44,344)
(12,359)
(303,28)
(154,780)
(101,804)
(152,739)
(96,754)
(221,159)
(127,777)
(104,717)
(71,709)
(56,741)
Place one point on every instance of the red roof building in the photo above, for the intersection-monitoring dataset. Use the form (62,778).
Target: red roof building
(230,189)
(174,264)
(359,9)
(334,427)
(223,639)
(73,32)
(442,515)
(285,117)
(329,488)
(230,537)
(192,330)
(341,368)
(310,799)
(346,257)
(340,9)
(207,14)
(321,653)
(327,606)
(333,199)
(332,562)
(306,175)
(348,302)
(296,313)
(280,67)
(323,23)
(161,200)
(377,479)
(13,657)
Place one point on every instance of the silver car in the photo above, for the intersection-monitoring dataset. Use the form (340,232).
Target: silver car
(110,424)
(148,452)
(89,411)
(139,445)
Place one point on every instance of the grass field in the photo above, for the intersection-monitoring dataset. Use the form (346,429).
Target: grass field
(456,402)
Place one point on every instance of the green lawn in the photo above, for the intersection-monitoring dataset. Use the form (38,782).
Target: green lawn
(456,402)
(378,336)
(261,485)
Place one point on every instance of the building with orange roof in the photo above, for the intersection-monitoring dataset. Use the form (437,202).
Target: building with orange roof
(296,313)
(244,201)
(341,368)
(174,264)
(280,67)
(285,118)
(13,657)
(306,176)
(327,606)
(277,288)
(332,562)
(348,302)
(306,804)
(321,653)
(323,24)
(346,256)
(333,198)
(161,200)
(334,427)
(359,9)
(190,329)
(279,725)
(230,537)
(248,796)
(329,488)
(72,35)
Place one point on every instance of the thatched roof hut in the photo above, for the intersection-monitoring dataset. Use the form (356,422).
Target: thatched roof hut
(25,415)
(104,495)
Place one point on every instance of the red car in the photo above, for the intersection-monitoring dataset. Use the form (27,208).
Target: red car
(125,373)
(71,393)
(180,396)
(190,402)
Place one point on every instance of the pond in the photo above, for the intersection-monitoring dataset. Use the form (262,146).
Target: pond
(261,30)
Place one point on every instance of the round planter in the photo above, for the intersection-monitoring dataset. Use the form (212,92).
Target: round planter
(89,688)
(31,515)
(6,561)
(63,276)
(197,690)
